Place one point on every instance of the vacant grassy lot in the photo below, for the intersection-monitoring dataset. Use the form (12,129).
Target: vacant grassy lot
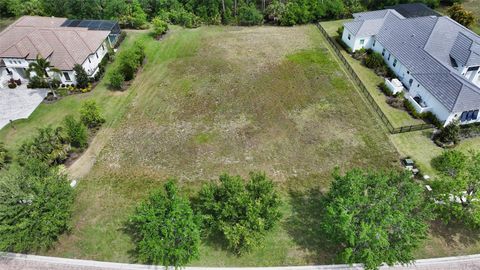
(397,117)
(230,99)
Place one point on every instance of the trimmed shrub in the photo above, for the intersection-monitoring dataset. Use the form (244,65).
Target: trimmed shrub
(115,79)
(81,76)
(374,61)
(449,134)
(76,132)
(129,60)
(37,82)
(160,27)
(383,87)
(90,114)
(340,31)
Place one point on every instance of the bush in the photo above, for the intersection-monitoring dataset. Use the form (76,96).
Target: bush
(37,82)
(81,76)
(360,54)
(374,61)
(12,85)
(449,134)
(450,162)
(383,87)
(49,145)
(115,79)
(240,214)
(458,13)
(90,114)
(5,157)
(249,15)
(181,17)
(129,60)
(164,229)
(55,83)
(340,31)
(160,27)
(76,132)
(431,118)
(411,109)
(36,203)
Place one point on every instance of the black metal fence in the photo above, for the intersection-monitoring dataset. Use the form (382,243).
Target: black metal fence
(393,130)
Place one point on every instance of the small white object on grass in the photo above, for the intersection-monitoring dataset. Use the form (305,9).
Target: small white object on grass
(73,183)
(426,177)
(429,188)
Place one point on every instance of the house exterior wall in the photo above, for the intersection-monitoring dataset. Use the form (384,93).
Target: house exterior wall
(17,66)
(355,42)
(413,86)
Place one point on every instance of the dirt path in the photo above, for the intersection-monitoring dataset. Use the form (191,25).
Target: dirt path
(82,166)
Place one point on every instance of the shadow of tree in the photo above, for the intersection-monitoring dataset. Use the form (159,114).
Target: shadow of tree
(454,233)
(304,227)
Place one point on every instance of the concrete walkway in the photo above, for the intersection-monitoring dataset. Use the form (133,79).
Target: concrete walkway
(19,103)
(12,261)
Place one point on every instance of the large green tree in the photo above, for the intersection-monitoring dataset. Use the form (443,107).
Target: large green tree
(240,213)
(35,207)
(49,145)
(165,229)
(457,191)
(374,217)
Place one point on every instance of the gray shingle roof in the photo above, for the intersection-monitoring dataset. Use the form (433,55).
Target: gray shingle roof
(368,23)
(424,45)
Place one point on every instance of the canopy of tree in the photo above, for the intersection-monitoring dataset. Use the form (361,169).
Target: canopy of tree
(135,13)
(165,229)
(456,192)
(239,213)
(462,16)
(35,207)
(374,218)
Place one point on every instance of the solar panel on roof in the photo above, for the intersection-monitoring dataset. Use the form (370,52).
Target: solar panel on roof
(74,23)
(475,115)
(84,23)
(463,117)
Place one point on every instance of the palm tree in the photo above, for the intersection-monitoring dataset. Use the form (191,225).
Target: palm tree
(41,66)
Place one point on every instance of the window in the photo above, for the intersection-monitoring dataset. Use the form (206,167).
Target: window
(374,42)
(395,62)
(410,82)
(383,52)
(67,76)
(96,54)
(349,36)
(408,72)
(89,60)
(389,56)
(103,48)
(418,85)
(362,41)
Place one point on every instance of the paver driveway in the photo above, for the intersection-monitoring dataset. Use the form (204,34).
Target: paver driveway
(19,103)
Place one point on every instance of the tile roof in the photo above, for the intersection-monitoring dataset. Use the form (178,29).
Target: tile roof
(30,36)
(369,23)
(425,46)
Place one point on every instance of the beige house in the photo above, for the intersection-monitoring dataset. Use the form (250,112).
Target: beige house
(64,43)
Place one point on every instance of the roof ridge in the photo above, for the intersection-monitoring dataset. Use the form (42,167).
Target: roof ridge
(63,45)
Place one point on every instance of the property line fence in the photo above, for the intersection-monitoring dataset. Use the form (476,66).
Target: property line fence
(363,89)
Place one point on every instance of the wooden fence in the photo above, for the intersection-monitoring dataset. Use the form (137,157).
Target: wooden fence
(366,93)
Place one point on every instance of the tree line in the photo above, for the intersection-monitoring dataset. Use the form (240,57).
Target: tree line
(191,13)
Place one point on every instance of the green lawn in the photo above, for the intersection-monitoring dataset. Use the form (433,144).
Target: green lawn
(4,22)
(397,117)
(230,99)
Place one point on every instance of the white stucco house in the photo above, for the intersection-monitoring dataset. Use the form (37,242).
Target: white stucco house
(62,42)
(436,59)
